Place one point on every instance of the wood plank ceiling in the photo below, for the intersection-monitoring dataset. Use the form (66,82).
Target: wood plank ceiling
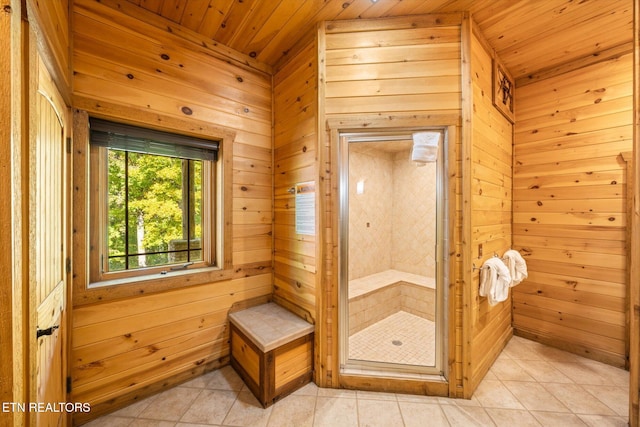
(528,35)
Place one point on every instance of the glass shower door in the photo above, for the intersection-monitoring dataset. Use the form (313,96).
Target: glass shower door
(391,223)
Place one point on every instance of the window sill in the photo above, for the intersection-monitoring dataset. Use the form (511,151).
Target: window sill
(152,283)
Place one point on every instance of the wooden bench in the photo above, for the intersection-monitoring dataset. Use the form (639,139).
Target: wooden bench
(272,350)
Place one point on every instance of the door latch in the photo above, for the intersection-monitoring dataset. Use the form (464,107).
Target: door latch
(44,332)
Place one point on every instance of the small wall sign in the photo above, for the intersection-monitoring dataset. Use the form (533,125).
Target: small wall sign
(306,208)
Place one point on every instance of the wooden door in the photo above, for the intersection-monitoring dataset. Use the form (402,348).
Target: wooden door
(47,252)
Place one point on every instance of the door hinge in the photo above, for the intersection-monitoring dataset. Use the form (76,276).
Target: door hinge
(68,385)
(68,145)
(68,266)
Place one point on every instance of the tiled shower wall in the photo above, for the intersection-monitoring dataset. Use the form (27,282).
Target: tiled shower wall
(413,238)
(392,224)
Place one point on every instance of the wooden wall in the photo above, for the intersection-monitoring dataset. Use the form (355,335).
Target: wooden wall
(386,73)
(569,212)
(137,69)
(295,160)
(487,189)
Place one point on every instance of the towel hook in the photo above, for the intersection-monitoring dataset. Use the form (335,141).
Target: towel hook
(474,268)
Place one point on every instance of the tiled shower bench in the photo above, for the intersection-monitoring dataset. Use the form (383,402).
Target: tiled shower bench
(272,350)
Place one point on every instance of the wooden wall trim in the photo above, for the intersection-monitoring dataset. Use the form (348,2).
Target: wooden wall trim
(7,57)
(395,23)
(139,117)
(634,270)
(368,121)
(467,156)
(453,284)
(13,231)
(627,157)
(327,324)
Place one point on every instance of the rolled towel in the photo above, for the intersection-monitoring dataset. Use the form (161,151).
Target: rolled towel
(425,147)
(495,281)
(516,265)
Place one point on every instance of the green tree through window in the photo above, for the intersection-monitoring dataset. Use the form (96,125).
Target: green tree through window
(154,210)
(153,201)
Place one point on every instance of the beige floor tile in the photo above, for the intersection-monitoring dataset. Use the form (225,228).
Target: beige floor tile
(373,395)
(419,414)
(310,389)
(467,416)
(535,397)
(110,421)
(519,348)
(509,369)
(171,404)
(519,390)
(211,407)
(542,371)
(553,354)
(616,376)
(552,419)
(151,423)
(582,372)
(418,398)
(335,412)
(512,417)
(378,413)
(135,409)
(578,400)
(616,398)
(503,356)
(465,402)
(493,394)
(247,411)
(200,381)
(603,421)
(490,376)
(224,379)
(337,392)
(293,411)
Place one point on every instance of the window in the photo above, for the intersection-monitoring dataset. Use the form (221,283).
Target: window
(152,202)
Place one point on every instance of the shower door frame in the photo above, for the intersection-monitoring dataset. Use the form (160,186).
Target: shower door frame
(440,371)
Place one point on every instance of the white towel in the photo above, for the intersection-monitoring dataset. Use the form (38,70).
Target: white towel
(516,265)
(425,147)
(494,281)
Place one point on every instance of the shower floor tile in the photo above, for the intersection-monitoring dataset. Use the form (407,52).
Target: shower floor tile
(402,338)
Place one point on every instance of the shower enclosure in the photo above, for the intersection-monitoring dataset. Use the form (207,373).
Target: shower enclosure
(392,253)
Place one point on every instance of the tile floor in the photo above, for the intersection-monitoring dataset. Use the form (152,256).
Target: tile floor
(399,338)
(529,385)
